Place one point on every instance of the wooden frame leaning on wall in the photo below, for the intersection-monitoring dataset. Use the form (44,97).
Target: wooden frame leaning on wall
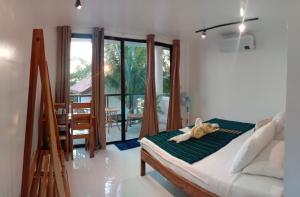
(44,174)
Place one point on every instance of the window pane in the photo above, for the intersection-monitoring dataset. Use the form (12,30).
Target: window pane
(112,66)
(135,82)
(166,71)
(135,67)
(162,83)
(81,70)
(112,90)
(113,118)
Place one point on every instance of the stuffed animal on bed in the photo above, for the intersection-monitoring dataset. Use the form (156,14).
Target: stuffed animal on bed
(199,130)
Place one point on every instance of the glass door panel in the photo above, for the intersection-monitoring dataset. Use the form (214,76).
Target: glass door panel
(135,80)
(112,89)
(162,79)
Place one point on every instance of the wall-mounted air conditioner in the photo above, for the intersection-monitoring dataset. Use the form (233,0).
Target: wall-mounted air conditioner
(237,42)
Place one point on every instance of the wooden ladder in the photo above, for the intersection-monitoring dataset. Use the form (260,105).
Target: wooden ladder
(44,174)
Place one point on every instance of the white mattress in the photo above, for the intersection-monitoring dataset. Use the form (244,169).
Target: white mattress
(212,173)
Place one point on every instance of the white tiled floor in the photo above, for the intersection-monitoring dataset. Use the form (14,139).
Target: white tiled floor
(115,173)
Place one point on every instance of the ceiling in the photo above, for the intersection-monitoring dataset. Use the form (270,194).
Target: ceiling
(166,18)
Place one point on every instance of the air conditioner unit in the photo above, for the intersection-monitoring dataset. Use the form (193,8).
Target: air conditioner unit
(237,42)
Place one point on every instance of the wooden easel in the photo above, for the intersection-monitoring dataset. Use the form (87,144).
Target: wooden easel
(45,174)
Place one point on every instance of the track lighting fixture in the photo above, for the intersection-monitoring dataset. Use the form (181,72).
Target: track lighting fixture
(78,4)
(242,26)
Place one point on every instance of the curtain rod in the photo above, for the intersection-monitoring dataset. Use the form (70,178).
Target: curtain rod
(111,32)
(227,24)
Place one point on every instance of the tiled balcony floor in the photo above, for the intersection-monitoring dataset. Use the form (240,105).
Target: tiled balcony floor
(114,133)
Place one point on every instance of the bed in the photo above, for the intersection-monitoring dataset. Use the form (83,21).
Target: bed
(211,175)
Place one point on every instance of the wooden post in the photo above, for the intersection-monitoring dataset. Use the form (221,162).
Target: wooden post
(30,116)
(143,166)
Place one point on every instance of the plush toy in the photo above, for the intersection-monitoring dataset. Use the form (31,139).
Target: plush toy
(199,130)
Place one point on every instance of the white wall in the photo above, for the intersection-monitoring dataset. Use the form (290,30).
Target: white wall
(14,76)
(16,24)
(245,86)
(186,48)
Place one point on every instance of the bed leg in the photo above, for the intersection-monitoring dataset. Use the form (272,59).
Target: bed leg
(143,168)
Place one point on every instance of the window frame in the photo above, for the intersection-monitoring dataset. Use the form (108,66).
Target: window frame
(81,36)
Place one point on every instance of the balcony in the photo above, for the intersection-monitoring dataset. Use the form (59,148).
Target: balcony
(133,113)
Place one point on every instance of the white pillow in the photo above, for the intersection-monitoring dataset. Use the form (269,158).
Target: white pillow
(269,162)
(262,123)
(253,146)
(279,119)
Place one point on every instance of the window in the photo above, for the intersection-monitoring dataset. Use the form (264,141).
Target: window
(81,70)
(125,69)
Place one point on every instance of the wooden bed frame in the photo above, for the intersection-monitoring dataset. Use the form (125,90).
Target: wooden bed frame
(189,187)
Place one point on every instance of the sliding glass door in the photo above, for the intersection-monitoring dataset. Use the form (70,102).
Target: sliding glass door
(135,85)
(125,85)
(112,92)
(125,78)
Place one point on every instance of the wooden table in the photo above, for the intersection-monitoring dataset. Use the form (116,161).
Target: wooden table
(131,117)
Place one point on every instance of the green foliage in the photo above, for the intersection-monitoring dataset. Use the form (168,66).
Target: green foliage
(135,69)
(112,67)
(82,70)
(166,71)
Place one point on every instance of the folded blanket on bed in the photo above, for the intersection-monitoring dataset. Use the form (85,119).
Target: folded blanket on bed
(194,150)
(197,132)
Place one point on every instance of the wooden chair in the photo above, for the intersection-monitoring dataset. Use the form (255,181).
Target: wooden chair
(62,117)
(132,117)
(134,114)
(111,116)
(82,125)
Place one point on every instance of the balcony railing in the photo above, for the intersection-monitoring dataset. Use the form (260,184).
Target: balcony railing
(130,99)
(132,102)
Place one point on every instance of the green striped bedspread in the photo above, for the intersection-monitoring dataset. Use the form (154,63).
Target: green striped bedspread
(194,150)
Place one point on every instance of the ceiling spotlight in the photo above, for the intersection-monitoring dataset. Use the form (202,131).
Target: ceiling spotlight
(203,35)
(242,27)
(78,4)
